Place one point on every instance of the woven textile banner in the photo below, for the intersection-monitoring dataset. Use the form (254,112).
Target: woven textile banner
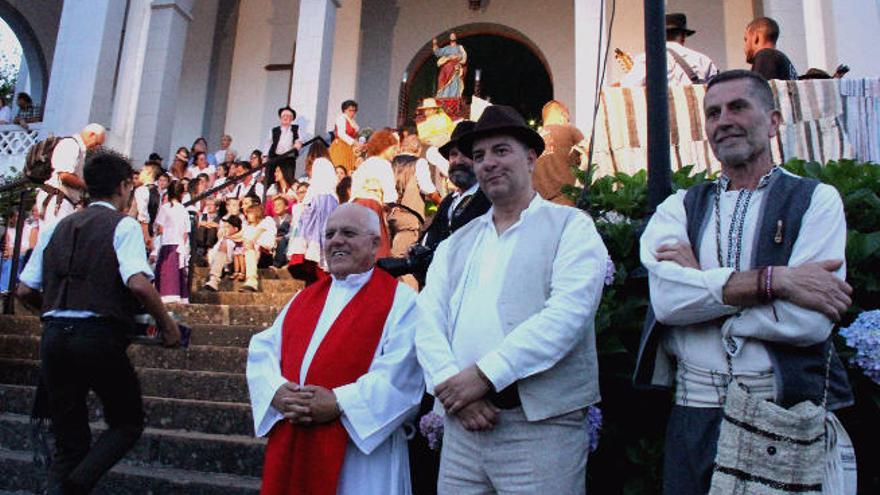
(823,120)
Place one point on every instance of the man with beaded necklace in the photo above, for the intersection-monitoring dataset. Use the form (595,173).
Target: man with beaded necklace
(750,266)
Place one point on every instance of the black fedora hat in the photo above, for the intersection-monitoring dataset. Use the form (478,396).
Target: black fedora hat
(678,22)
(463,127)
(501,119)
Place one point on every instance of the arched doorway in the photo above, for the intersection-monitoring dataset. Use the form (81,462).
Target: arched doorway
(513,71)
(33,55)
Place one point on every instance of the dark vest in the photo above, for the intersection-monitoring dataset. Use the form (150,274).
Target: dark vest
(441,227)
(276,135)
(799,372)
(80,268)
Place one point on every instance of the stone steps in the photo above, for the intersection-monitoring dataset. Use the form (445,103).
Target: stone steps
(202,334)
(193,358)
(174,384)
(202,272)
(203,296)
(224,314)
(233,454)
(199,429)
(18,472)
(225,418)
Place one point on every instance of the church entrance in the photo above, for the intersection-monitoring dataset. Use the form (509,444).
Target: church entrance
(511,72)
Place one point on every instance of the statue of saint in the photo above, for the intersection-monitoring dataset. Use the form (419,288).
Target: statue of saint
(452,62)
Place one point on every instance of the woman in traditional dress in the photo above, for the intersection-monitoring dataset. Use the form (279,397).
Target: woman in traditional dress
(173,226)
(306,246)
(342,150)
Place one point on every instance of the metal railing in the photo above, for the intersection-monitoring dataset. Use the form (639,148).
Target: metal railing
(23,187)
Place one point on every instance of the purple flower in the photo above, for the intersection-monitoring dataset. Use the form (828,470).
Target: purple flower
(431,427)
(610,270)
(594,422)
(863,335)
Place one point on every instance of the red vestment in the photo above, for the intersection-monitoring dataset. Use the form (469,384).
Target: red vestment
(307,460)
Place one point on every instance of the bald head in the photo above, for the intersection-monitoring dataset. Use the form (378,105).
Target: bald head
(93,135)
(351,240)
(357,215)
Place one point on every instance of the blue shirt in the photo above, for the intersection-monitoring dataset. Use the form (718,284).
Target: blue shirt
(128,241)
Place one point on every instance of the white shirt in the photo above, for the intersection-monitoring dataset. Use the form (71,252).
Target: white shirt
(142,203)
(690,300)
(128,242)
(379,169)
(174,220)
(194,171)
(375,406)
(5,115)
(267,238)
(702,66)
(341,120)
(477,335)
(68,157)
(285,141)
(240,190)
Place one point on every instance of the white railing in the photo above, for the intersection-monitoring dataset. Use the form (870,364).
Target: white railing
(15,142)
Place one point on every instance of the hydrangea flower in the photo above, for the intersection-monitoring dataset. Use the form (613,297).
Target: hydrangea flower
(594,421)
(610,270)
(431,427)
(863,335)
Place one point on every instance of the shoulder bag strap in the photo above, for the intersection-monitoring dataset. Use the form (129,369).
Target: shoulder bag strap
(688,70)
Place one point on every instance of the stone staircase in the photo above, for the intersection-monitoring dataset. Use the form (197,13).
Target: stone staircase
(199,432)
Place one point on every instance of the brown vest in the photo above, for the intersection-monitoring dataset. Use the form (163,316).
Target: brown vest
(80,268)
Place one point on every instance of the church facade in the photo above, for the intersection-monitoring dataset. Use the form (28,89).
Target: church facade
(159,73)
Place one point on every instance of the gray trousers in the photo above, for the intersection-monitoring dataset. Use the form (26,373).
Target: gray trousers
(516,457)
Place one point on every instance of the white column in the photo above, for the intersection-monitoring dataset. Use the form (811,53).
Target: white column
(587,14)
(853,30)
(816,44)
(163,62)
(346,53)
(128,85)
(83,66)
(313,59)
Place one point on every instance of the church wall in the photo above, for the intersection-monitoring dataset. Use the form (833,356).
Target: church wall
(392,33)
(266,34)
(346,54)
(193,86)
(719,25)
(221,70)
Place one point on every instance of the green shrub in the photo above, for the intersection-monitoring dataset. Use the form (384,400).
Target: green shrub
(630,453)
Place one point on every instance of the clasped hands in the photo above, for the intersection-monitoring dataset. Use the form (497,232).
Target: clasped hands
(813,286)
(464,396)
(306,405)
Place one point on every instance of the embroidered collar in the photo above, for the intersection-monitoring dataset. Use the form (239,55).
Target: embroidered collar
(724,180)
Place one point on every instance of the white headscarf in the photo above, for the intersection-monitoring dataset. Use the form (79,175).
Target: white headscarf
(323,179)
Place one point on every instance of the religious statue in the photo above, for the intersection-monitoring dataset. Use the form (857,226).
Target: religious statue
(452,61)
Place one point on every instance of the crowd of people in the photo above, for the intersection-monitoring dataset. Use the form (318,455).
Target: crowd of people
(746,277)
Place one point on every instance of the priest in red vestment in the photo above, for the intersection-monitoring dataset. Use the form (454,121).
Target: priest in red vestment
(335,378)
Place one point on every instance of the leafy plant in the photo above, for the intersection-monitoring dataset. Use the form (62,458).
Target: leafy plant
(629,459)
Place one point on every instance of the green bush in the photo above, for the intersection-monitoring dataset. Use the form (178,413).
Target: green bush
(629,457)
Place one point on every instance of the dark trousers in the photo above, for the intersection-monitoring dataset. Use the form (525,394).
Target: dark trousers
(691,444)
(78,355)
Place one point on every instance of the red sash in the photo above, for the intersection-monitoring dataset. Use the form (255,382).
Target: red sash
(308,460)
(350,130)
